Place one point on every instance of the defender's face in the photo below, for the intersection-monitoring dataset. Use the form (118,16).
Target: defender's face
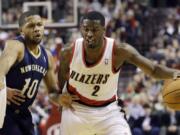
(92,32)
(33,29)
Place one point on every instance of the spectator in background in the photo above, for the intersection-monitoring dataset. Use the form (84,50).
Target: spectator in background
(56,51)
(51,124)
(151,122)
(135,111)
(171,122)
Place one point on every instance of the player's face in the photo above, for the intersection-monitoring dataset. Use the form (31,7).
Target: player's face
(92,32)
(33,29)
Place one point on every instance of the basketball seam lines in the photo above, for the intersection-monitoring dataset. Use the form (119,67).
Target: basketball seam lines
(171,103)
(170,92)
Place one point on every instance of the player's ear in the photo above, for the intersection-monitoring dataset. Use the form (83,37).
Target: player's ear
(80,28)
(104,29)
(20,31)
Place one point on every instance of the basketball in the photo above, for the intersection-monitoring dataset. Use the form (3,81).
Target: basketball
(171,94)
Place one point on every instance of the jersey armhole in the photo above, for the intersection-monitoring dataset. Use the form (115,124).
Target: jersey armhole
(73,49)
(114,70)
(43,50)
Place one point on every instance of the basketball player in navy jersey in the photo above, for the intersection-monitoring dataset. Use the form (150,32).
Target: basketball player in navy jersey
(91,67)
(25,63)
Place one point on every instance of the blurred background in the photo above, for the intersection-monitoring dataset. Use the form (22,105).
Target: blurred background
(151,26)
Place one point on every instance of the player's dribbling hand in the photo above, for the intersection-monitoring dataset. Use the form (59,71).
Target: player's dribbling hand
(67,99)
(15,96)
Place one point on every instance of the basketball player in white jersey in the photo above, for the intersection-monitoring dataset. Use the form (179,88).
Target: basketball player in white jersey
(91,67)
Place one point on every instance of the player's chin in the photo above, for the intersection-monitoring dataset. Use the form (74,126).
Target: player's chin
(37,38)
(37,41)
(91,46)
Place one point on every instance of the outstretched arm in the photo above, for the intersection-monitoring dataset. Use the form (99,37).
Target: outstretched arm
(63,76)
(51,80)
(63,73)
(55,94)
(131,55)
(13,52)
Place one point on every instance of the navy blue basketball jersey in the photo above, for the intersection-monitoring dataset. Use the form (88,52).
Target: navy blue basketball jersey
(27,74)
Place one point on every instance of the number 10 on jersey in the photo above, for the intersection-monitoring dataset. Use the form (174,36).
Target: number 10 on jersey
(30,87)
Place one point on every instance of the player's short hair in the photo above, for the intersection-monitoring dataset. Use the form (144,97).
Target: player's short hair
(24,15)
(94,15)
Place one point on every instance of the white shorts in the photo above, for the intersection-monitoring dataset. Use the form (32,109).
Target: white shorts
(94,121)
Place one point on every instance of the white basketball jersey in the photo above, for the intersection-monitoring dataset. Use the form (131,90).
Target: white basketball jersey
(95,84)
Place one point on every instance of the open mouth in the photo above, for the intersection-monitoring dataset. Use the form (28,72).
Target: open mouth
(90,41)
(37,36)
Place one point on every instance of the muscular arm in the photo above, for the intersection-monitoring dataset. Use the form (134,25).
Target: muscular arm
(13,51)
(125,52)
(63,74)
(51,80)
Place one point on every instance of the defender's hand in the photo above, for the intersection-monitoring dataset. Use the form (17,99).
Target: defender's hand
(66,100)
(15,96)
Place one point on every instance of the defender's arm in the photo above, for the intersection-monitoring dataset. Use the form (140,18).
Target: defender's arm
(13,52)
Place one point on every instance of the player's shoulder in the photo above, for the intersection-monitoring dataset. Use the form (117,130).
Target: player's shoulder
(14,44)
(124,47)
(125,51)
(67,49)
(48,51)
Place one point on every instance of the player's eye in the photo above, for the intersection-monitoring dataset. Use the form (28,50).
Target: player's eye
(39,24)
(30,25)
(85,29)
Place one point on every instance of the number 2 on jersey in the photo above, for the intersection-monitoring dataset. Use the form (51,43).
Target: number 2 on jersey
(30,87)
(96,89)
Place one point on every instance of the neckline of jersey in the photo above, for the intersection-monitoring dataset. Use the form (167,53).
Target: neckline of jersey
(98,61)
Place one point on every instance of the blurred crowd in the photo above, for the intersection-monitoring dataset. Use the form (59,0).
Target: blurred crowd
(154,32)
